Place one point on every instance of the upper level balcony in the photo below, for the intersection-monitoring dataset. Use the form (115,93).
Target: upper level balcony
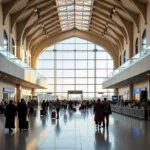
(137,66)
(19,72)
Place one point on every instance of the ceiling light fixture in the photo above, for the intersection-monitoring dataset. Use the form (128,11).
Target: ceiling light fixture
(5,76)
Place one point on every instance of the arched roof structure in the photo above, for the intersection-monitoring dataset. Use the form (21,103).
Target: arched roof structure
(42,22)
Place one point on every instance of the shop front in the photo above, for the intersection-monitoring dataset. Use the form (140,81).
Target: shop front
(8,94)
(140,94)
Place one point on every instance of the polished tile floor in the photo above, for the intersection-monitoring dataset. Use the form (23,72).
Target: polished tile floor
(76,131)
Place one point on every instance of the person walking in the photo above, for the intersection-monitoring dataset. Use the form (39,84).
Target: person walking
(99,113)
(65,104)
(10,113)
(22,113)
(57,105)
(107,112)
(44,107)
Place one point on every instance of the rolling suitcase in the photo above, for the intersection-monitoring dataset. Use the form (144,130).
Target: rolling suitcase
(26,125)
(41,112)
(53,115)
(34,112)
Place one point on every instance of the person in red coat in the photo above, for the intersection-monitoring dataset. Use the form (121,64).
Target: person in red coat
(99,113)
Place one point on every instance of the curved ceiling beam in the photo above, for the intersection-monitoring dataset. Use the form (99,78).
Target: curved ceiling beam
(102,33)
(45,16)
(7,8)
(15,16)
(38,48)
(121,29)
(134,16)
(99,31)
(43,37)
(28,29)
(142,9)
(53,31)
(118,36)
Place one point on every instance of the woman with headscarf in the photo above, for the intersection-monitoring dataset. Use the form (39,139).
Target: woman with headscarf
(99,113)
(10,113)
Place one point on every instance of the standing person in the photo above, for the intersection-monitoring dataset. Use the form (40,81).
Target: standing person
(144,104)
(32,107)
(65,104)
(84,105)
(57,105)
(44,107)
(107,112)
(22,113)
(10,113)
(99,113)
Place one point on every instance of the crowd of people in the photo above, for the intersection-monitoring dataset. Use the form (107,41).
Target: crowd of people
(24,108)
(133,103)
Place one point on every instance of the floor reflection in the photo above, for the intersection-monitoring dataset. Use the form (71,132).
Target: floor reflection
(76,130)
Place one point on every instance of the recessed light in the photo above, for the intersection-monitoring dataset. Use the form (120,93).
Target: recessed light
(148,74)
(5,76)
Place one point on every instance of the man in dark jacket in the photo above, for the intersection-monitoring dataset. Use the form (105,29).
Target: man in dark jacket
(22,113)
(10,113)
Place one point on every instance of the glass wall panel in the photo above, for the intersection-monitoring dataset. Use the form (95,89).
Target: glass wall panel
(81,73)
(68,55)
(90,64)
(68,73)
(101,55)
(76,64)
(68,81)
(81,80)
(47,55)
(81,64)
(50,80)
(68,64)
(101,64)
(81,55)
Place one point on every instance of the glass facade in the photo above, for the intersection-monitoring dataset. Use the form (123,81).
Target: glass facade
(75,64)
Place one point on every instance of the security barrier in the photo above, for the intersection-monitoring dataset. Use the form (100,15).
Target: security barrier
(132,112)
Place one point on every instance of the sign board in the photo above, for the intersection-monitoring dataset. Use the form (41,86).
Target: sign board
(75,92)
(7,90)
(49,93)
(35,98)
(100,92)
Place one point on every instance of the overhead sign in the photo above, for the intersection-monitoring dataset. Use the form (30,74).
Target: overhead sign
(100,92)
(34,98)
(49,93)
(75,92)
(7,90)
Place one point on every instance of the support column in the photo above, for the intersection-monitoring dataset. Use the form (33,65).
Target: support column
(148,89)
(18,92)
(130,92)
(33,92)
(116,92)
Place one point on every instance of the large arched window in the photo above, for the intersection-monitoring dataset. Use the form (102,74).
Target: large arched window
(13,47)
(144,42)
(137,46)
(124,57)
(5,41)
(75,64)
(120,60)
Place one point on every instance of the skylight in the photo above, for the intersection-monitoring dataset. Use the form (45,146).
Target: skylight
(74,14)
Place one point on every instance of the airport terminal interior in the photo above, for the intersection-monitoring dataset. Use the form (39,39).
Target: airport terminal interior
(69,62)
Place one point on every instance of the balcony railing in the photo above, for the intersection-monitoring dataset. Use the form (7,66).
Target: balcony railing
(20,63)
(130,62)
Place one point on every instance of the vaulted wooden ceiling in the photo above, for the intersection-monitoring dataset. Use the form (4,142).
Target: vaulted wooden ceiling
(37,20)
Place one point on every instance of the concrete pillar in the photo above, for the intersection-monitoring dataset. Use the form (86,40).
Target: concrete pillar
(148,88)
(33,92)
(130,92)
(116,92)
(18,92)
